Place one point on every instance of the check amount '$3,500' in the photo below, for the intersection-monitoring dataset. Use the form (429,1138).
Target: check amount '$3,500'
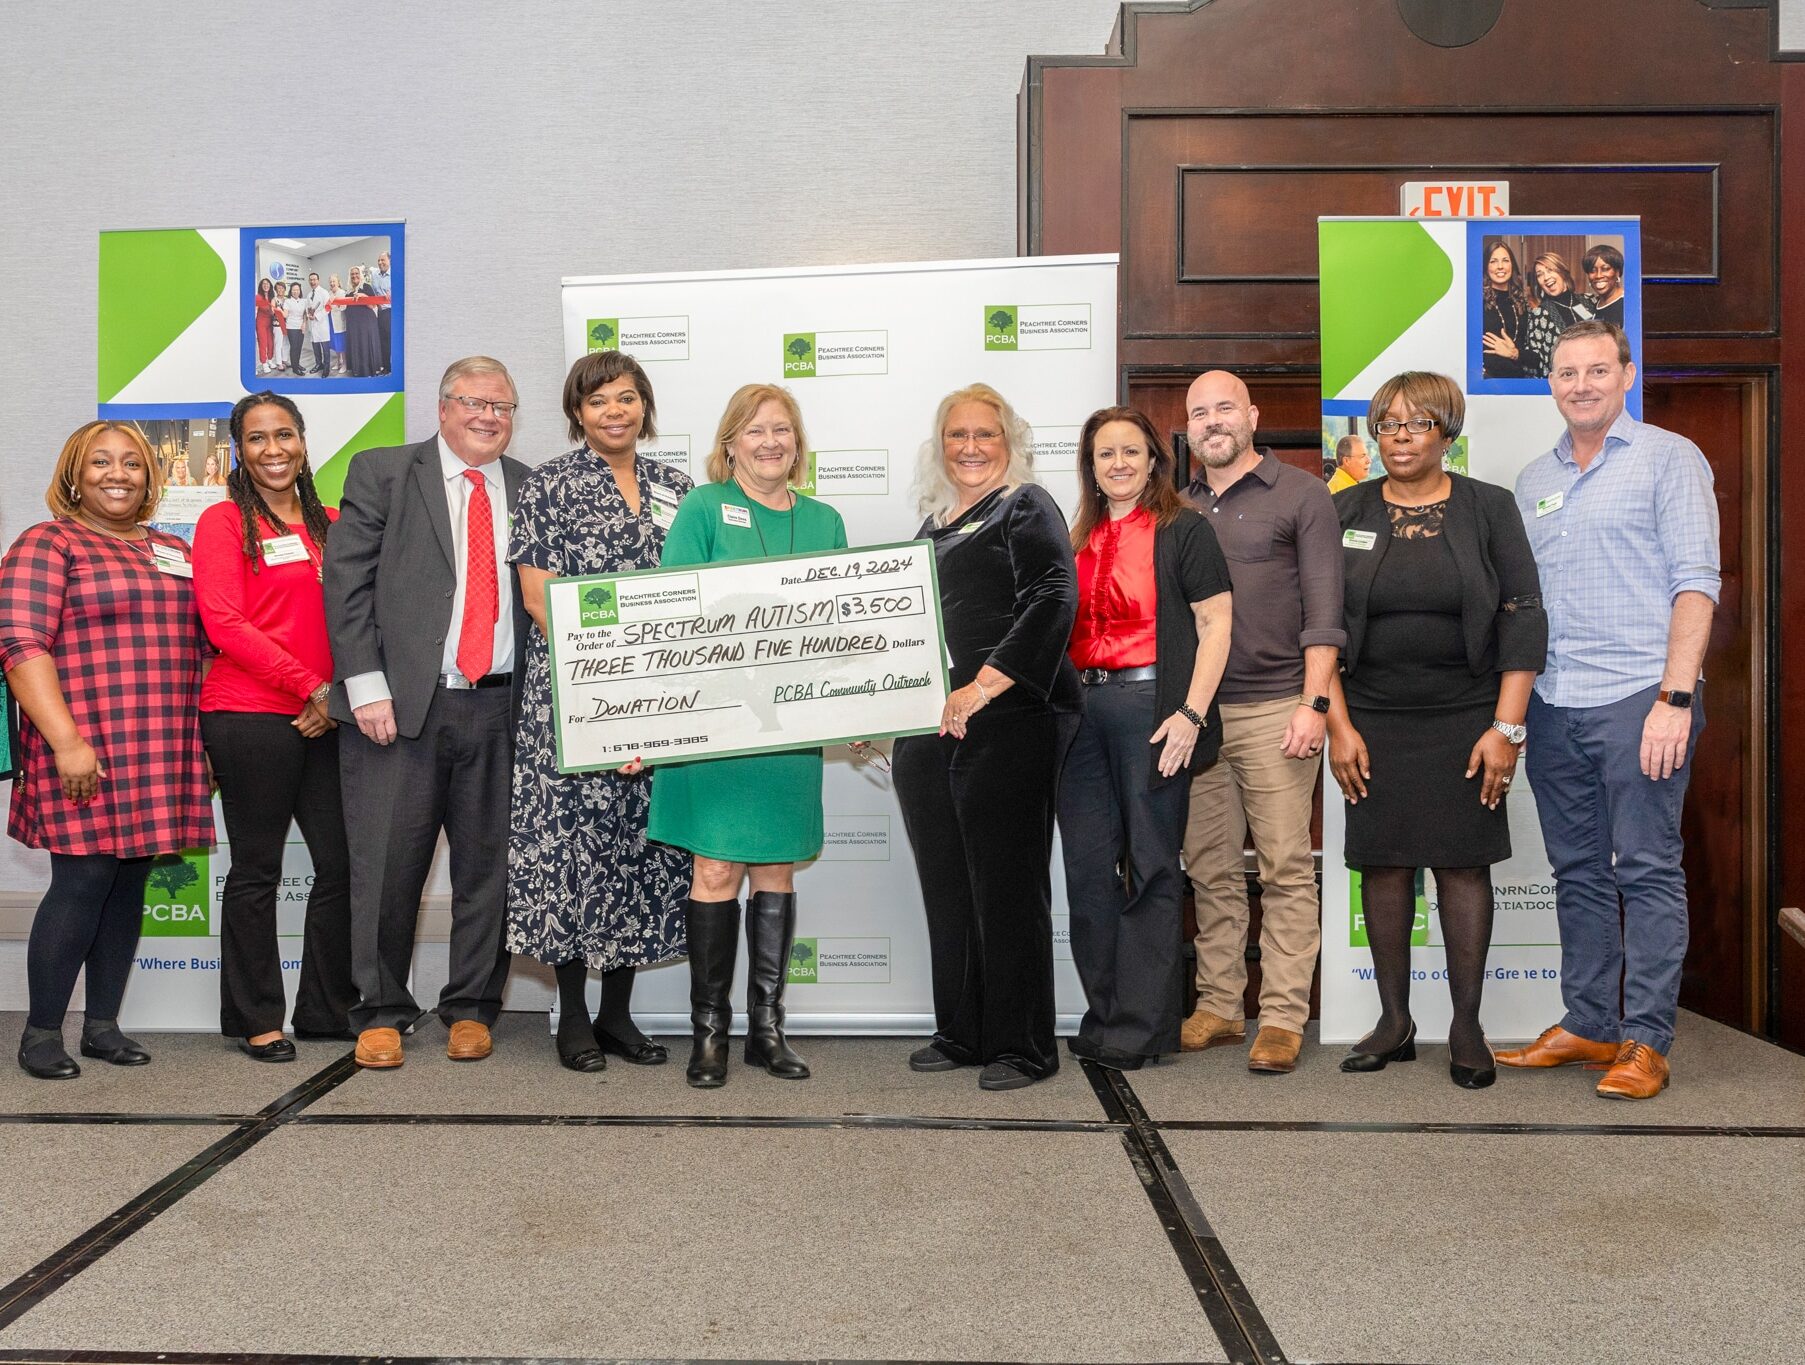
(745,657)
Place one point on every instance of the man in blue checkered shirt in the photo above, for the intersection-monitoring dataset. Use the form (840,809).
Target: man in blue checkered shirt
(1623,522)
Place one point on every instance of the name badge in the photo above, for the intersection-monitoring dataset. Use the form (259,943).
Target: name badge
(1551,503)
(1358,540)
(170,560)
(969,527)
(284,550)
(663,514)
(736,516)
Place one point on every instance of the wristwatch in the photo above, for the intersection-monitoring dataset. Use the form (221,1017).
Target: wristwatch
(1320,705)
(1516,734)
(1679,699)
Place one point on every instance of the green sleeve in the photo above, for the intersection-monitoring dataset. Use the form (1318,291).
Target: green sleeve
(689,541)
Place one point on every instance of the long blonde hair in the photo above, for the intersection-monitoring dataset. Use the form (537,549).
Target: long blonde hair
(741,409)
(935,493)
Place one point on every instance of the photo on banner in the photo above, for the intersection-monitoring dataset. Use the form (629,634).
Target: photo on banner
(191,444)
(324,309)
(1470,299)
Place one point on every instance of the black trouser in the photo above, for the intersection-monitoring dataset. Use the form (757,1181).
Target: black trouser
(1122,842)
(268,774)
(90,916)
(979,812)
(294,350)
(453,777)
(322,357)
(384,331)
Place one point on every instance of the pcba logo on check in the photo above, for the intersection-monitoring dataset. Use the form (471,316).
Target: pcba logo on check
(598,605)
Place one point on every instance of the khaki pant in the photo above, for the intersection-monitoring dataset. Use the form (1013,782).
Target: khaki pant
(1254,786)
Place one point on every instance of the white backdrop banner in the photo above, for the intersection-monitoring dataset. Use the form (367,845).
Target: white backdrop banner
(868,351)
(1407,294)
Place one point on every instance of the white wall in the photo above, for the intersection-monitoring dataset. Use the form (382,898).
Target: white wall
(522,143)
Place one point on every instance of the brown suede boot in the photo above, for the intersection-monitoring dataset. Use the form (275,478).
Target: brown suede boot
(1205,1030)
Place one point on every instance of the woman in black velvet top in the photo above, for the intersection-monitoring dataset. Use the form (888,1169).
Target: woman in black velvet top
(977,799)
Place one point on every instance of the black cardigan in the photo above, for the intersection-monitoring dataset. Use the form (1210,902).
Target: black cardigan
(1501,612)
(1188,567)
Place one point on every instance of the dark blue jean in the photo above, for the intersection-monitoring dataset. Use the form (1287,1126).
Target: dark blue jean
(1612,832)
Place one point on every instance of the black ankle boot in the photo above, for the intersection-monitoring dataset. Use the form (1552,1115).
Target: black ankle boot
(41,1054)
(770,932)
(101,1038)
(714,940)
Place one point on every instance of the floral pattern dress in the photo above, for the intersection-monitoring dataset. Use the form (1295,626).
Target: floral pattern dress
(583,879)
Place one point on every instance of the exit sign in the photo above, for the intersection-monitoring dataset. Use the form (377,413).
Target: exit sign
(1455,199)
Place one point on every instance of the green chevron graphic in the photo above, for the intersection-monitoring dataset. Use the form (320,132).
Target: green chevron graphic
(153,285)
(1378,278)
(388,427)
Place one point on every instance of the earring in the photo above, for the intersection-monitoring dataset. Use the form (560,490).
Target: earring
(74,492)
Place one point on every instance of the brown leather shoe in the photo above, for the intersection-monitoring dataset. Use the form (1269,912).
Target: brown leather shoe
(1557,1047)
(1205,1030)
(1640,1073)
(470,1041)
(378,1048)
(1274,1050)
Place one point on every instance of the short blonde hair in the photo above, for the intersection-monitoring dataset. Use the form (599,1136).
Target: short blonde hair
(741,409)
(1433,394)
(63,497)
(469,365)
(935,493)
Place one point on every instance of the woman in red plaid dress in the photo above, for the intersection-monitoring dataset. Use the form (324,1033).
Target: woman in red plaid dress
(102,645)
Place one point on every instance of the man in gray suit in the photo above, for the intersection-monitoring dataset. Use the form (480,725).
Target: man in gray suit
(425,617)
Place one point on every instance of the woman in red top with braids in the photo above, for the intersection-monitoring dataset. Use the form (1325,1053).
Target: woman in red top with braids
(263,715)
(101,645)
(1150,644)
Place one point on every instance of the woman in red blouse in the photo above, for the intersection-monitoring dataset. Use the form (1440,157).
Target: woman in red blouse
(101,645)
(257,565)
(265,325)
(1150,644)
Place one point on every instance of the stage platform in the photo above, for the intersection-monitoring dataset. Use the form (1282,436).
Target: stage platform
(207,1208)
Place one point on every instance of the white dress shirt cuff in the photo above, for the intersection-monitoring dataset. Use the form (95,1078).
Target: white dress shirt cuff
(365,688)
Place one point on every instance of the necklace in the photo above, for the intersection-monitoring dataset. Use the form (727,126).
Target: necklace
(791,514)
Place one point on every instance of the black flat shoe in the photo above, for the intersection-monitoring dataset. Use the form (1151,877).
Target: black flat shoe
(931,1058)
(1472,1077)
(44,1057)
(583,1059)
(1003,1076)
(275,1050)
(126,1054)
(1112,1057)
(643,1052)
(1376,1061)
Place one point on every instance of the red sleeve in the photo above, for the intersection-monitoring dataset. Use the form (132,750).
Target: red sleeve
(33,577)
(230,596)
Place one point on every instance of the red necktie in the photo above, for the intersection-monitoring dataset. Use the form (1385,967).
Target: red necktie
(482,608)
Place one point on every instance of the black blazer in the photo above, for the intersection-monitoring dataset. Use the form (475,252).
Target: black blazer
(1188,566)
(389,576)
(1501,612)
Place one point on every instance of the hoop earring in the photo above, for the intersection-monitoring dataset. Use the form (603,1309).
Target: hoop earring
(74,493)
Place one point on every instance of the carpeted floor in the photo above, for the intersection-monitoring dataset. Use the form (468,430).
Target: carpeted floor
(510,1209)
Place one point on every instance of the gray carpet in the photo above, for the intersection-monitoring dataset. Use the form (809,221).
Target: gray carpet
(1594,1251)
(190,1073)
(61,1179)
(851,1076)
(1720,1077)
(661,1243)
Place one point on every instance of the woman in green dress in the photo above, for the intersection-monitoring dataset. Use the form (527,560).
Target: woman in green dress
(753,817)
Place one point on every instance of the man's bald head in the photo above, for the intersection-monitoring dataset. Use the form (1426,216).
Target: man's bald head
(1220,418)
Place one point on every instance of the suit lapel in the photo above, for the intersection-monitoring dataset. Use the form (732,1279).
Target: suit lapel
(429,478)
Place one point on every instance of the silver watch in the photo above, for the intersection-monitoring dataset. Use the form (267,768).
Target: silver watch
(1516,734)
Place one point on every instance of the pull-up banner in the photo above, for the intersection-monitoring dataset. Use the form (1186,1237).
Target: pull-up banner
(1480,300)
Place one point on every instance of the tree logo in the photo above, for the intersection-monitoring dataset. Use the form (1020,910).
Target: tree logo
(599,605)
(805,963)
(177,899)
(999,327)
(798,355)
(602,333)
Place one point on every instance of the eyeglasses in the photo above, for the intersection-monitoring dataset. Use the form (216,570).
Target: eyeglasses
(1416,426)
(502,409)
(983,436)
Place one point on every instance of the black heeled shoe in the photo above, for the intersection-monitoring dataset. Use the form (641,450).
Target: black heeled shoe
(640,1051)
(1377,1061)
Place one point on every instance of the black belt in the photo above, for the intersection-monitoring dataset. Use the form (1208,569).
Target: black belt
(457,682)
(1093,676)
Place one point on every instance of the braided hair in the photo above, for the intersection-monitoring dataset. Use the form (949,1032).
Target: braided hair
(252,509)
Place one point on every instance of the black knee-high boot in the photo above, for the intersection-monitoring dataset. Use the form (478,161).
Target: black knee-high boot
(714,940)
(770,932)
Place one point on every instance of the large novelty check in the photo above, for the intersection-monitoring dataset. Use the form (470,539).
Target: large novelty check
(746,657)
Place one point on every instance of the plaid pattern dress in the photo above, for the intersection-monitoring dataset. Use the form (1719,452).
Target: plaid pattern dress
(127,643)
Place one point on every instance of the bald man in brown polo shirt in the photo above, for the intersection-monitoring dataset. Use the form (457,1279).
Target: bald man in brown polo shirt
(1278,530)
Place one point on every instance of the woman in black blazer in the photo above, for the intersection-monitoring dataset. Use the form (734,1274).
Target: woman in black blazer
(1445,636)
(977,799)
(1154,613)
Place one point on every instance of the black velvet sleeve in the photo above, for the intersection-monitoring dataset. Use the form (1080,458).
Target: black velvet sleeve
(1046,592)
(1521,626)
